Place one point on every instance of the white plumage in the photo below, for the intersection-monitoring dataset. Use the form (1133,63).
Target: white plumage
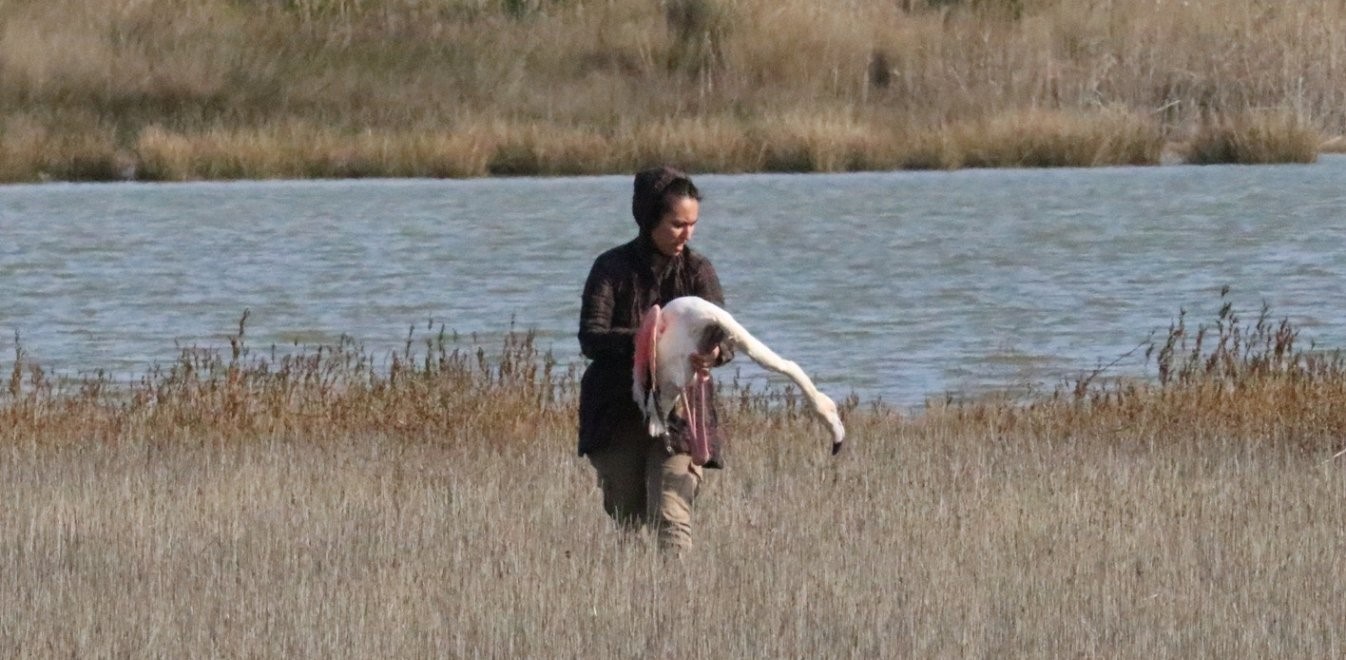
(667,339)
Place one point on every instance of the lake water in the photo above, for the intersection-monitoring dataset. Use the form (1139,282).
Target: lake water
(899,286)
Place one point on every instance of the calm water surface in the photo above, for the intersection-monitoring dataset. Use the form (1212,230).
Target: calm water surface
(893,285)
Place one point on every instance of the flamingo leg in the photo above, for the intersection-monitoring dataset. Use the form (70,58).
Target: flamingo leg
(690,412)
(694,400)
(702,386)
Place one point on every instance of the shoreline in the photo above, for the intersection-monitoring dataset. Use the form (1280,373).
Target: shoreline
(1228,350)
(344,163)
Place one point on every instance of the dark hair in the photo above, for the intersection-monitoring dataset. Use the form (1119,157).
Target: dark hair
(655,191)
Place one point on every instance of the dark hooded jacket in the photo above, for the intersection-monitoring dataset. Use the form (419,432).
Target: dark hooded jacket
(623,283)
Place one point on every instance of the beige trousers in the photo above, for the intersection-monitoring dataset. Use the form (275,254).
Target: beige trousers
(643,484)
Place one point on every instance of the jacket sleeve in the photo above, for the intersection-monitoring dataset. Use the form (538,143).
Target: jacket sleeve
(598,339)
(708,287)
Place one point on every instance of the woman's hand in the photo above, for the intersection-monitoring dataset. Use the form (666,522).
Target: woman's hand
(704,361)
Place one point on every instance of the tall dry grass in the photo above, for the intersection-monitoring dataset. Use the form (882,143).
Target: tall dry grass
(1266,138)
(429,503)
(171,89)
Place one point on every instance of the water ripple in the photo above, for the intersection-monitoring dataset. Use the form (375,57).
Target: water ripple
(892,285)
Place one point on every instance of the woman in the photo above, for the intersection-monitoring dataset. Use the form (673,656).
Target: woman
(644,480)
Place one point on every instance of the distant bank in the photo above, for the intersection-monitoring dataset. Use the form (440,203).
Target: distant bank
(219,89)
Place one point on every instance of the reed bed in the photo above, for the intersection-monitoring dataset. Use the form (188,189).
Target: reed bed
(1268,138)
(166,89)
(331,502)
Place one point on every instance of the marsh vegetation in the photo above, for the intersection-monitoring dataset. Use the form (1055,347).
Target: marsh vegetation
(331,502)
(165,89)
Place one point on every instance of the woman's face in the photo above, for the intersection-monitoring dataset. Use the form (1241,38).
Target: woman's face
(676,227)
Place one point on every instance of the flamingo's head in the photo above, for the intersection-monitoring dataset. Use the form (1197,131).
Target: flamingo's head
(827,410)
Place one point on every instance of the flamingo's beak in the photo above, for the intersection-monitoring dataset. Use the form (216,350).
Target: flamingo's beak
(838,435)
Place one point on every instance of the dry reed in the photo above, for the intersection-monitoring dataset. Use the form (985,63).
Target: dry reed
(218,89)
(1255,138)
(331,502)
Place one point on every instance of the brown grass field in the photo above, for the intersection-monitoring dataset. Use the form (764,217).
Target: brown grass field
(179,89)
(240,504)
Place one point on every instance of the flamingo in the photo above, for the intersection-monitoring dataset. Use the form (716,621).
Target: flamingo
(663,371)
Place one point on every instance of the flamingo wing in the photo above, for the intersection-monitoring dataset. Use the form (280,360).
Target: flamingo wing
(645,373)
